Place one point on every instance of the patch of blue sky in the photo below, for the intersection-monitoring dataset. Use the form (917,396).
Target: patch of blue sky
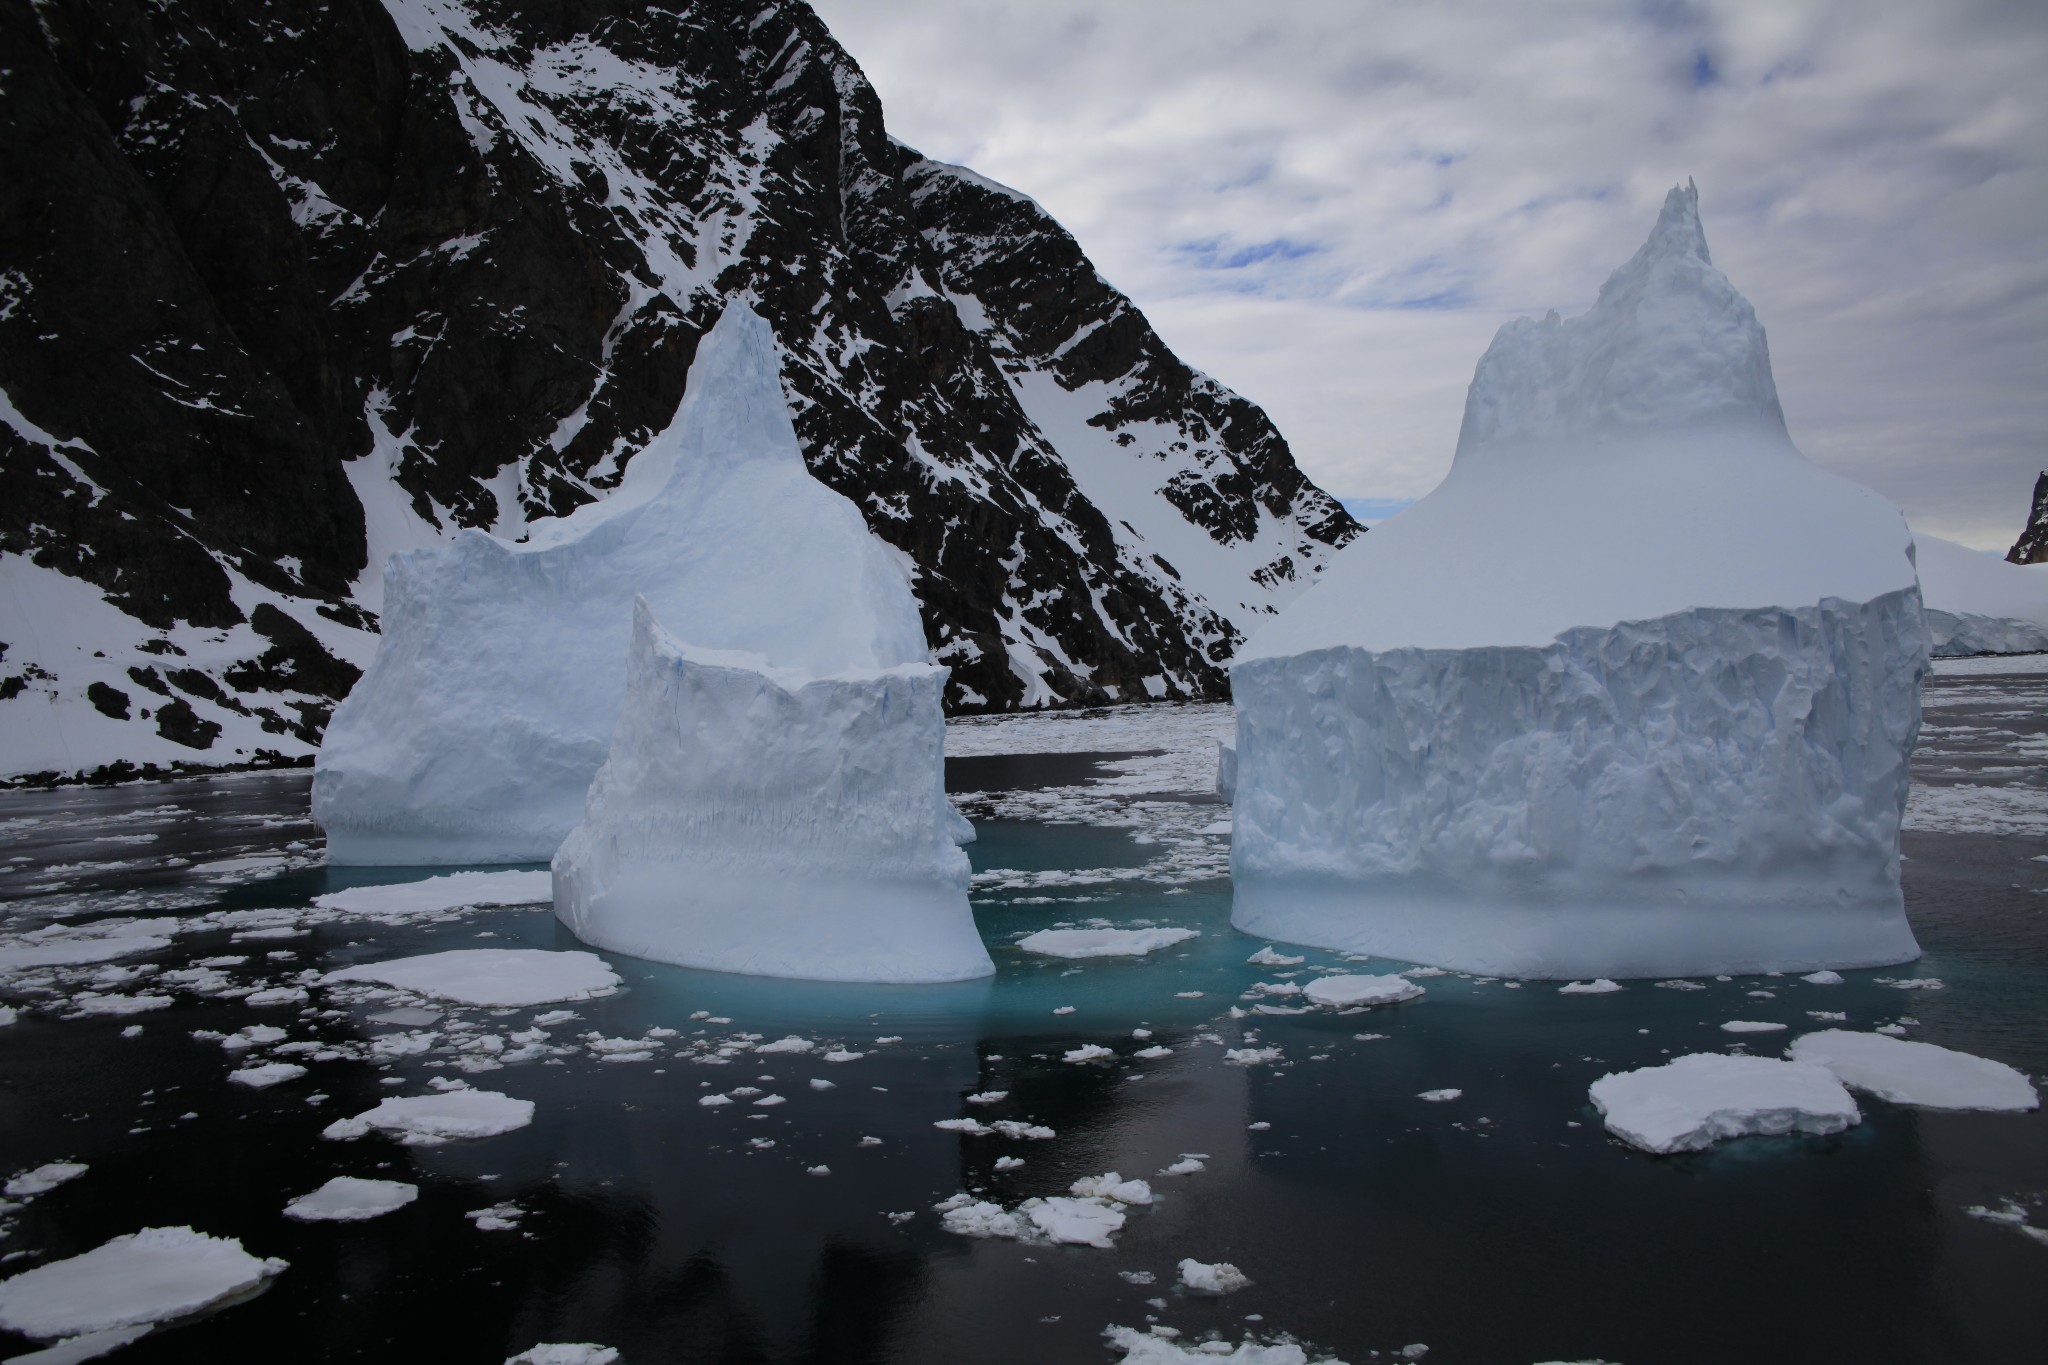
(1374,510)
(1214,253)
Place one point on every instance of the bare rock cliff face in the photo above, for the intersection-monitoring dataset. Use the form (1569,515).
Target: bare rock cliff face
(285,289)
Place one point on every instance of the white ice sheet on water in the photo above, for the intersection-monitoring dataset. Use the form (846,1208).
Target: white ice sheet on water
(500,977)
(144,1277)
(1916,1073)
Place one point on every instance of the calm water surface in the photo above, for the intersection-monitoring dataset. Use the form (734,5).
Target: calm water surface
(1501,1227)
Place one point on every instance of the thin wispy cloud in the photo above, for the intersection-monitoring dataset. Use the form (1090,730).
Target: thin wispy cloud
(1331,205)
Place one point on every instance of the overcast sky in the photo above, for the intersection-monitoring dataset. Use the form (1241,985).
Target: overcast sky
(1330,205)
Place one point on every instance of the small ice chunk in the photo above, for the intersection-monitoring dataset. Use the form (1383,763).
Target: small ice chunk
(276,995)
(1187,1165)
(44,1178)
(347,1199)
(1251,1056)
(1343,992)
(427,1120)
(91,1003)
(1266,957)
(1082,1222)
(1110,1185)
(1692,1102)
(1751,1026)
(1088,1052)
(1153,1053)
(1916,1073)
(769,1101)
(1219,1278)
(843,1056)
(789,1044)
(988,1097)
(1822,978)
(501,977)
(820,1083)
(969,1217)
(144,1277)
(1009,1163)
(1440,1096)
(407,1016)
(266,1074)
(1597,986)
(714,1101)
(1016,1129)
(817,1170)
(1077,943)
(566,1353)
(1064,1009)
(496,1218)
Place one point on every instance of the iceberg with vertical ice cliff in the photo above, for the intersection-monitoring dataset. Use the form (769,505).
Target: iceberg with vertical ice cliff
(475,734)
(1978,603)
(1631,693)
(763,819)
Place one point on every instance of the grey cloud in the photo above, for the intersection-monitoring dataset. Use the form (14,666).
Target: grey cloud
(1874,177)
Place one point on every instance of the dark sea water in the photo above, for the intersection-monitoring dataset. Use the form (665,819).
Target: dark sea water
(1504,1226)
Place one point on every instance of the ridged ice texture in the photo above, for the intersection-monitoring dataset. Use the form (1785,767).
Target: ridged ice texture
(1632,692)
(757,820)
(1978,603)
(1669,345)
(1715,791)
(475,734)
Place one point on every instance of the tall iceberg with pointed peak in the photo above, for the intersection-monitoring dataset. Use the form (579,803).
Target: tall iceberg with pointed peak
(1632,692)
(475,734)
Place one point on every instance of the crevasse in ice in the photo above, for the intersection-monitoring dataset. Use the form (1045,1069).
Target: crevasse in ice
(475,733)
(1632,692)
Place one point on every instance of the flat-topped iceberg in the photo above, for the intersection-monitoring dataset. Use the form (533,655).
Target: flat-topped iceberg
(756,819)
(475,734)
(1631,693)
(1978,603)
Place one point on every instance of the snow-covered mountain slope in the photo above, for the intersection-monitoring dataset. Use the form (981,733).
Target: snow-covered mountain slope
(286,289)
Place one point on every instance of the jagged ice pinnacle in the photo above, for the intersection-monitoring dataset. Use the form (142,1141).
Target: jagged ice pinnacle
(1632,692)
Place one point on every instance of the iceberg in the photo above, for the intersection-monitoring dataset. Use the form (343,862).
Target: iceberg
(475,734)
(1978,603)
(1631,693)
(762,820)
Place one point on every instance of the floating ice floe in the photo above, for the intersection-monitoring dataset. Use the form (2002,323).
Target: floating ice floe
(143,1278)
(1251,1056)
(1143,1348)
(496,1218)
(350,1199)
(44,1178)
(566,1353)
(1220,1278)
(1589,737)
(437,895)
(501,977)
(266,1074)
(428,1120)
(1752,1026)
(1343,992)
(1089,1052)
(1077,943)
(1916,1073)
(1597,986)
(1266,957)
(1443,1096)
(1822,978)
(1091,1215)
(1692,1102)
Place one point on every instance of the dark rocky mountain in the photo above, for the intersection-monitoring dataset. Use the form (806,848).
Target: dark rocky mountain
(2032,546)
(285,288)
